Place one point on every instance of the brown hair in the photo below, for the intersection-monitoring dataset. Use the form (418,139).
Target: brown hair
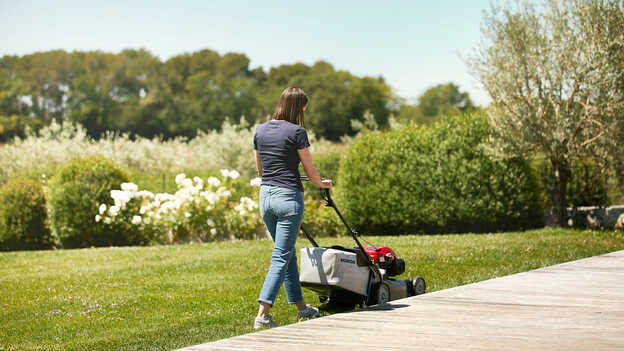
(290,106)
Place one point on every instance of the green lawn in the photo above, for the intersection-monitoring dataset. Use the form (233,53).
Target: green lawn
(166,297)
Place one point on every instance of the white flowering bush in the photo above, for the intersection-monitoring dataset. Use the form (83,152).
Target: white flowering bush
(217,208)
(127,212)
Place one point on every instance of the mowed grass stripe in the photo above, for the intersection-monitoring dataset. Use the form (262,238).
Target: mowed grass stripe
(167,297)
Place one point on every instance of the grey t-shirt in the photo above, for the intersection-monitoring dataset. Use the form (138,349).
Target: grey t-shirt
(277,141)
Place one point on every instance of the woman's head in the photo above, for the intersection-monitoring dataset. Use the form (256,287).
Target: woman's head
(291,105)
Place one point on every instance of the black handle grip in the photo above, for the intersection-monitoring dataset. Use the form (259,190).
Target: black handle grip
(327,196)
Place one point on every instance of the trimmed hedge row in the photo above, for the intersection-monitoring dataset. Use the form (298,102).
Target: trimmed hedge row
(437,179)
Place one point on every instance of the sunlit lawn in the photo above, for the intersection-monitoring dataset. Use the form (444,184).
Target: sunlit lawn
(166,297)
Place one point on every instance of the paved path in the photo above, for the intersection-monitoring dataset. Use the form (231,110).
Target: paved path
(577,305)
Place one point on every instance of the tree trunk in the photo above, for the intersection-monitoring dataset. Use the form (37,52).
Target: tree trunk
(558,209)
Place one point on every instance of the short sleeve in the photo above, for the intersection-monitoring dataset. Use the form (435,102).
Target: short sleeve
(301,138)
(256,140)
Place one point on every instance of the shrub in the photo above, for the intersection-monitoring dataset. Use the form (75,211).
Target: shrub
(435,179)
(23,216)
(75,193)
(319,220)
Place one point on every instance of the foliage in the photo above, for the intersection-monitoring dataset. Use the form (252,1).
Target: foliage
(23,216)
(435,179)
(56,144)
(163,297)
(555,78)
(321,221)
(134,92)
(436,102)
(586,186)
(74,195)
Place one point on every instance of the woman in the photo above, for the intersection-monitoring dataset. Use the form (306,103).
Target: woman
(280,144)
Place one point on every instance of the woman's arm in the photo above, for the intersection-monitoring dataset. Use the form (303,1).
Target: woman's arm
(258,164)
(308,167)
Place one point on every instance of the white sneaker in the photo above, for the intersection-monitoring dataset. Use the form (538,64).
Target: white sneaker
(264,323)
(308,312)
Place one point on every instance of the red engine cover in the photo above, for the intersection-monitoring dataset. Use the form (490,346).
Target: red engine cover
(383,254)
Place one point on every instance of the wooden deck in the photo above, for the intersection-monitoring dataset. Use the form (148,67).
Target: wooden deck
(577,305)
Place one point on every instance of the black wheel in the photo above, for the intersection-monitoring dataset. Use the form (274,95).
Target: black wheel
(418,286)
(382,294)
(323,299)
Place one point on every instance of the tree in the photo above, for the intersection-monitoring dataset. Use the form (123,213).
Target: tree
(336,97)
(439,100)
(554,76)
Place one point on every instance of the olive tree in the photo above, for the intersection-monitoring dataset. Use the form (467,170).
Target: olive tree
(554,73)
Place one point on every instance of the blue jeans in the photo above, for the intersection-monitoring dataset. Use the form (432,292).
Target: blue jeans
(282,211)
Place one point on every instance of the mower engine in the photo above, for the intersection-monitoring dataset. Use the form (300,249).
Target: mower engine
(386,259)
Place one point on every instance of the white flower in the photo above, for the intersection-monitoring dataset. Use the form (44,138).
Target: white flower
(223,192)
(130,187)
(256,181)
(107,220)
(143,209)
(113,210)
(213,231)
(98,218)
(234,174)
(180,178)
(146,220)
(225,173)
(136,220)
(210,222)
(248,203)
(213,181)
(187,183)
(102,208)
(187,215)
(121,197)
(167,206)
(211,197)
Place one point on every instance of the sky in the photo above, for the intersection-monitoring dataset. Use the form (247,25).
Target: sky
(413,45)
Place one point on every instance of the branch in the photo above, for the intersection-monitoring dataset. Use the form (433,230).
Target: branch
(589,141)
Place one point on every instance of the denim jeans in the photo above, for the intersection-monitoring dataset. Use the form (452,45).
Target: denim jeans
(282,211)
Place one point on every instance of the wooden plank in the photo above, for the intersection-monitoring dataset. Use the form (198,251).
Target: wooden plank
(571,306)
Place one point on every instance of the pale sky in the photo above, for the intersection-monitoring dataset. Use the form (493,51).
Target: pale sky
(412,44)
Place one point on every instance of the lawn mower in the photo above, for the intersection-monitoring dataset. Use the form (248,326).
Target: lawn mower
(361,275)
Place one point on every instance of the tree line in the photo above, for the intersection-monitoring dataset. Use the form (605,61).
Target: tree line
(135,92)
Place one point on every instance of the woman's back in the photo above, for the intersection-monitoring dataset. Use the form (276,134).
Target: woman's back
(277,142)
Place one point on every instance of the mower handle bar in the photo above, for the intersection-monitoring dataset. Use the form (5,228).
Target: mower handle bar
(354,234)
(326,196)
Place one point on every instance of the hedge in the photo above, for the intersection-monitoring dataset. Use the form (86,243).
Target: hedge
(75,193)
(23,216)
(435,179)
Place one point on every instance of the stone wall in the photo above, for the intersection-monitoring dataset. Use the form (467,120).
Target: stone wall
(596,217)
